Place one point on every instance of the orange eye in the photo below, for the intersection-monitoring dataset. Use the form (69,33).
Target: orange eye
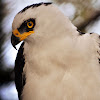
(30,24)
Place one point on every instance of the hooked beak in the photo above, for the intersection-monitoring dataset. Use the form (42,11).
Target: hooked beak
(17,37)
(14,41)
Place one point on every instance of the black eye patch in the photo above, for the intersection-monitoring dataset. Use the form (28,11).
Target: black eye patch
(25,26)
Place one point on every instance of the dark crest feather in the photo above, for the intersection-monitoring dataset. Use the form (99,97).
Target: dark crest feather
(35,5)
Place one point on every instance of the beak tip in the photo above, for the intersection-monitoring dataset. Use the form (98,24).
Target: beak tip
(15,47)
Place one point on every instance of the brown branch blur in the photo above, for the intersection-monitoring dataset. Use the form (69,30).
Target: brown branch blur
(88,21)
(6,76)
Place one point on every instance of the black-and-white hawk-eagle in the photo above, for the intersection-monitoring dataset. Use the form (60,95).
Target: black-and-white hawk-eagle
(55,61)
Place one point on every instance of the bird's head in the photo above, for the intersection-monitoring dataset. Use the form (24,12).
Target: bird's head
(25,22)
(40,20)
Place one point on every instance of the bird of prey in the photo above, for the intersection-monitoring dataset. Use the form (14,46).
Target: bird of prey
(55,60)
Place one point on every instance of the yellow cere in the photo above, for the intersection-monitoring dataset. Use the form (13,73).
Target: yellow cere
(30,24)
(23,35)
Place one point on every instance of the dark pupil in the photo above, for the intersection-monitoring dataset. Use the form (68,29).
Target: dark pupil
(30,24)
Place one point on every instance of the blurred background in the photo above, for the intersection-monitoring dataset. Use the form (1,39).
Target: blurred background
(84,14)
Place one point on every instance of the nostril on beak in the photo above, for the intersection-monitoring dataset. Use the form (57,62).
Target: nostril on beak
(16,33)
